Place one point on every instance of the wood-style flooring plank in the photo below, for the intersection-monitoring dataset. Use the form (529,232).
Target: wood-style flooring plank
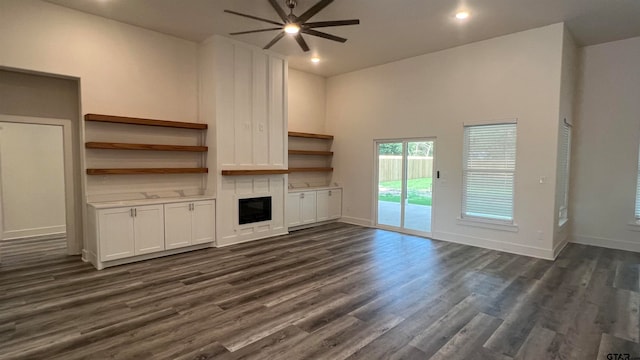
(335,291)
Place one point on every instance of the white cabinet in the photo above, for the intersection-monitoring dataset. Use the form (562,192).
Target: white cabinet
(329,204)
(125,232)
(189,223)
(310,207)
(301,208)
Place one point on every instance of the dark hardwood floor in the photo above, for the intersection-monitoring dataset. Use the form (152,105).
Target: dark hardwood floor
(333,292)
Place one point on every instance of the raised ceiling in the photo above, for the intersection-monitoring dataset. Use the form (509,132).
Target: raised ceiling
(389,30)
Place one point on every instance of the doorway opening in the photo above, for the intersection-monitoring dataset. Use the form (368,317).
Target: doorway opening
(36,185)
(404,178)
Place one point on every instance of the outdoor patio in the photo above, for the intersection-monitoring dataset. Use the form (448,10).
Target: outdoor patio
(416,217)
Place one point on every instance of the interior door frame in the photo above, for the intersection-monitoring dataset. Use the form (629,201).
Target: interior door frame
(403,195)
(69,181)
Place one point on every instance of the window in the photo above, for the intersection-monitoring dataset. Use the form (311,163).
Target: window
(564,155)
(489,170)
(638,192)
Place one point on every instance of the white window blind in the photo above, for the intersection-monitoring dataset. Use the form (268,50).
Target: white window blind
(564,156)
(638,190)
(489,171)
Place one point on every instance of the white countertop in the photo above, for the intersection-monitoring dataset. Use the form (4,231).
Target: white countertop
(314,188)
(141,202)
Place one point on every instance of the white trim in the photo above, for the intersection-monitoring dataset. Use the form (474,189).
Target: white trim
(356,221)
(559,247)
(33,232)
(634,226)
(606,243)
(72,223)
(488,224)
(519,249)
(490,122)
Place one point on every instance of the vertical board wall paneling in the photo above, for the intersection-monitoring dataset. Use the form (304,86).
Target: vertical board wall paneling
(243,95)
(260,109)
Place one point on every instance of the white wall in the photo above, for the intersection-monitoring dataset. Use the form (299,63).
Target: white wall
(124,70)
(567,103)
(32,180)
(606,138)
(307,102)
(513,76)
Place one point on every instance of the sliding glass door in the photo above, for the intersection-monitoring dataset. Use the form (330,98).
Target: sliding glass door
(405,178)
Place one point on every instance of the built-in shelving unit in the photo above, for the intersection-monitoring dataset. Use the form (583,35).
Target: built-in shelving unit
(253,172)
(152,147)
(101,145)
(311,169)
(311,152)
(310,158)
(147,122)
(142,171)
(310,135)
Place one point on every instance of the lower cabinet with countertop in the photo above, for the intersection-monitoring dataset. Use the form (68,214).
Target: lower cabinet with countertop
(307,207)
(129,231)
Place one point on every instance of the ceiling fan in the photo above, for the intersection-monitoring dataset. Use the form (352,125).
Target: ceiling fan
(297,25)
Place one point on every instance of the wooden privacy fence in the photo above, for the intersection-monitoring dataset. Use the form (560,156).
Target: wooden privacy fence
(390,167)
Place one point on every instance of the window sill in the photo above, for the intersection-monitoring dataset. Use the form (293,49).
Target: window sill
(488,224)
(634,226)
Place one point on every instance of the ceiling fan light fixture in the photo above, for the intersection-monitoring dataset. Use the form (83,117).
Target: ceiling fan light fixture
(315,59)
(461,15)
(292,28)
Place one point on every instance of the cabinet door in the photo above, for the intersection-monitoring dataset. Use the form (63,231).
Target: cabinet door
(177,225)
(335,204)
(309,207)
(203,217)
(294,210)
(115,233)
(322,205)
(149,229)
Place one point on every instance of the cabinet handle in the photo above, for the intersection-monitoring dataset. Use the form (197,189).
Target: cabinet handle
(301,195)
(329,192)
(191,207)
(135,212)
(131,212)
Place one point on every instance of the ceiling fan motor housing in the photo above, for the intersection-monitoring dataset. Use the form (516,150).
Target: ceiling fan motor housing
(291,4)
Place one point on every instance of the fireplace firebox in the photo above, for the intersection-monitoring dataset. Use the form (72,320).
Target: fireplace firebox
(253,210)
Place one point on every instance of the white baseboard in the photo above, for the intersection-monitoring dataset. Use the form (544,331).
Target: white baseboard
(558,248)
(518,249)
(356,221)
(41,231)
(606,243)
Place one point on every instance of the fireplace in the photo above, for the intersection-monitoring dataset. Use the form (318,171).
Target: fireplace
(252,210)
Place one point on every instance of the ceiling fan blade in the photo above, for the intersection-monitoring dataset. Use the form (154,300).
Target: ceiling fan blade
(253,17)
(323,35)
(319,24)
(313,10)
(302,43)
(275,40)
(254,31)
(279,10)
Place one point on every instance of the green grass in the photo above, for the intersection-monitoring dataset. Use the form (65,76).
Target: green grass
(416,191)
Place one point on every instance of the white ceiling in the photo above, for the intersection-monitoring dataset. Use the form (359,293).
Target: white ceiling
(389,29)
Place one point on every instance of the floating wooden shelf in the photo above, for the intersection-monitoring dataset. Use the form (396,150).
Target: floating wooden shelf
(140,171)
(312,169)
(310,135)
(153,147)
(254,172)
(310,152)
(148,122)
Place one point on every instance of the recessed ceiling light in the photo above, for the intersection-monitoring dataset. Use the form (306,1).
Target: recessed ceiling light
(462,15)
(315,59)
(292,28)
